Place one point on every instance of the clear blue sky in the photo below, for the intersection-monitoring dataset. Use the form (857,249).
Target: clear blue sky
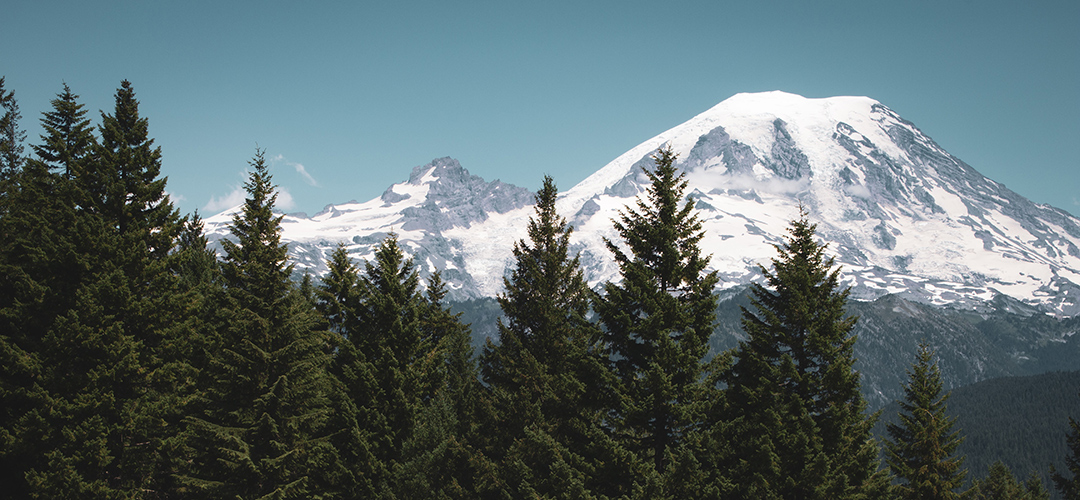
(347,97)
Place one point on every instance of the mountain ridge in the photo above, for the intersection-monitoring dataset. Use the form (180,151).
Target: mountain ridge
(900,214)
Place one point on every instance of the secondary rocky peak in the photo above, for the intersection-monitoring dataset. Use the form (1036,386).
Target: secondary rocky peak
(446,169)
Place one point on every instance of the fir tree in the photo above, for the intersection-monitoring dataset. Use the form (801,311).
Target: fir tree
(922,448)
(547,375)
(85,431)
(439,459)
(797,423)
(263,433)
(1070,487)
(390,337)
(68,137)
(41,266)
(11,136)
(357,424)
(1000,484)
(658,319)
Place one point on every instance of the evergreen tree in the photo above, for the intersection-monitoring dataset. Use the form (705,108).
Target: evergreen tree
(390,337)
(922,448)
(1070,487)
(11,136)
(41,266)
(263,433)
(547,375)
(796,419)
(1000,484)
(403,361)
(68,135)
(658,319)
(439,459)
(357,424)
(79,418)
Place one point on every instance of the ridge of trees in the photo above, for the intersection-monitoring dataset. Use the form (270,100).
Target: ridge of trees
(137,364)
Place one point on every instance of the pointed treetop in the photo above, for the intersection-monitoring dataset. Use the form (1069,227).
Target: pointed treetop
(68,137)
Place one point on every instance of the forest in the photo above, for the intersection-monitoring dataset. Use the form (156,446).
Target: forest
(139,363)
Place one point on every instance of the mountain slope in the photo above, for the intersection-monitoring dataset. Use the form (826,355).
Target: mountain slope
(899,213)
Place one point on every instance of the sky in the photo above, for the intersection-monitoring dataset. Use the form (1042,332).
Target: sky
(347,97)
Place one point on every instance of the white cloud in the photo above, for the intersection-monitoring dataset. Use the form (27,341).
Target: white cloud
(299,169)
(858,190)
(285,200)
(723,180)
(218,204)
(176,198)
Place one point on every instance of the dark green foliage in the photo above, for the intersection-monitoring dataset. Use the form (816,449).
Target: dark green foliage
(11,136)
(1070,487)
(97,316)
(798,422)
(922,447)
(548,381)
(657,321)
(407,372)
(43,262)
(68,135)
(357,424)
(1020,421)
(263,431)
(1000,484)
(439,459)
(390,338)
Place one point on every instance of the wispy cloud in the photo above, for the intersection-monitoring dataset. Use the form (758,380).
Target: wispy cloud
(285,200)
(299,169)
(176,198)
(722,180)
(218,204)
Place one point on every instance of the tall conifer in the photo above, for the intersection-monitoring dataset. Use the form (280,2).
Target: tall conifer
(547,374)
(922,446)
(263,433)
(359,427)
(796,416)
(11,135)
(42,264)
(658,319)
(439,459)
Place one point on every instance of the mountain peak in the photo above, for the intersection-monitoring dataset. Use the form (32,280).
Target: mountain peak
(899,213)
(439,168)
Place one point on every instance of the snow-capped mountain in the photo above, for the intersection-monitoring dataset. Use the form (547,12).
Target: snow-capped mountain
(900,214)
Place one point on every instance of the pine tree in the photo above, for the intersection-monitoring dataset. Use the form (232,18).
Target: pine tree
(68,135)
(263,433)
(922,448)
(658,319)
(439,459)
(797,422)
(404,361)
(11,136)
(356,422)
(547,375)
(1001,484)
(75,368)
(390,338)
(1070,487)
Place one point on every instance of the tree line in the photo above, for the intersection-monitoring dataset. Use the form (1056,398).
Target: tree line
(136,363)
